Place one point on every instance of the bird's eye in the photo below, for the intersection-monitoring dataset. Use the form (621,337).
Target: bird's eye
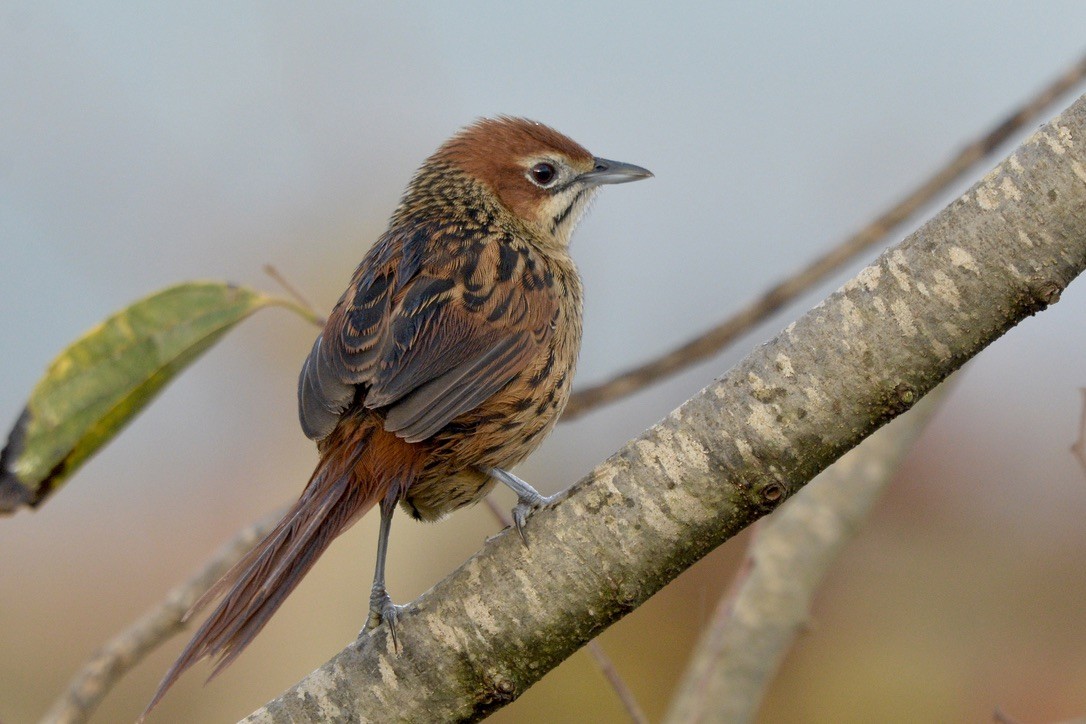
(543,173)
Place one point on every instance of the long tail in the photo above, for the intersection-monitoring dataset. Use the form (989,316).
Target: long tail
(351,477)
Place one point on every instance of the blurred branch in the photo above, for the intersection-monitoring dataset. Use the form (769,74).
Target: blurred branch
(729,455)
(625,695)
(1079,448)
(753,628)
(121,653)
(603,661)
(760,309)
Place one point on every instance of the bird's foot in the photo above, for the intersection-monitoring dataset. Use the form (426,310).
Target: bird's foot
(526,505)
(528,498)
(383,610)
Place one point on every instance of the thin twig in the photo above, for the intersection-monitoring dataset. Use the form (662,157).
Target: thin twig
(718,337)
(607,667)
(1079,448)
(625,695)
(121,653)
(293,291)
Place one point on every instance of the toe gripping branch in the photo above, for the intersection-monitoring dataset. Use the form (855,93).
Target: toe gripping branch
(529,499)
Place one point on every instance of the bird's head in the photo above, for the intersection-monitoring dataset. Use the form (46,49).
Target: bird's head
(542,177)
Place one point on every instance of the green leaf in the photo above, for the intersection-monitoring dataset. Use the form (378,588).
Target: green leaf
(100,382)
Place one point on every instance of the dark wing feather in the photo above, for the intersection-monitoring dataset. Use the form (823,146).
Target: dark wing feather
(426,336)
(432,405)
(322,395)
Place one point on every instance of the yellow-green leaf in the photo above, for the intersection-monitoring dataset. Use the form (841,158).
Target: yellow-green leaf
(103,379)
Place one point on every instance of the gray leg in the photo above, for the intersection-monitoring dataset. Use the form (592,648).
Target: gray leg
(381,606)
(528,498)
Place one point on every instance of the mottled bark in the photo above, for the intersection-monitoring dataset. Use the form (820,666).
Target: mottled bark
(729,455)
(753,627)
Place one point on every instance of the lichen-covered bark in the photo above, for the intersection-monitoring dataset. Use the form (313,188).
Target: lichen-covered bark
(753,627)
(729,455)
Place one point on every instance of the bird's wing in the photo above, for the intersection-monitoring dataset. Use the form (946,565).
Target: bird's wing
(430,327)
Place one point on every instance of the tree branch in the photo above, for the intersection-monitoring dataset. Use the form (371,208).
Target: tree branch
(595,649)
(740,651)
(729,455)
(121,653)
(760,309)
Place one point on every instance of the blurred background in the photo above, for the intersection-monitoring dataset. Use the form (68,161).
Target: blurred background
(141,145)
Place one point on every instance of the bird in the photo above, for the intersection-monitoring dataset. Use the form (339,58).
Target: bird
(446,361)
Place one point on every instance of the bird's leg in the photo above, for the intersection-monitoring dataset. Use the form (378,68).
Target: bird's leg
(529,499)
(381,606)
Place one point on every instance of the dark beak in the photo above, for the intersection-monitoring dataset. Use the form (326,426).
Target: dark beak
(613,172)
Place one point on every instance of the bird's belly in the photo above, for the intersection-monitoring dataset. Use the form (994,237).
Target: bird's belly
(498,434)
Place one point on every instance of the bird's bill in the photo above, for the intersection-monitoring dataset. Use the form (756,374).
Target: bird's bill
(614,172)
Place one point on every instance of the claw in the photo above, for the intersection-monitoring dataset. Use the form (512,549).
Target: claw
(383,610)
(528,499)
(524,509)
(520,518)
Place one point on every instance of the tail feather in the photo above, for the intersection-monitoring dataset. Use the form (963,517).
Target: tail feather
(263,586)
(260,582)
(338,494)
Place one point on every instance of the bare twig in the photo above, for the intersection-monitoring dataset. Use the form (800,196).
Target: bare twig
(617,683)
(718,337)
(754,625)
(121,653)
(293,291)
(1079,448)
(603,661)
